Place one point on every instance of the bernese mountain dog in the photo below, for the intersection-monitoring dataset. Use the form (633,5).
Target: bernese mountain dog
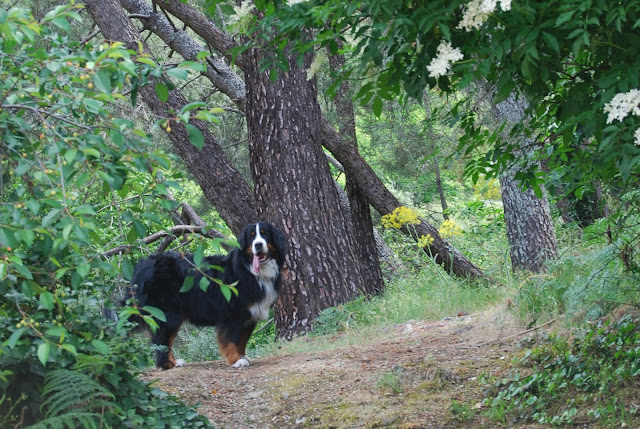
(256,271)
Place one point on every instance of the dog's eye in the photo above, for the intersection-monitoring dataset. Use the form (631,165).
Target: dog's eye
(262,231)
(253,234)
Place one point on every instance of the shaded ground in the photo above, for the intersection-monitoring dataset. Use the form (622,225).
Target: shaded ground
(415,375)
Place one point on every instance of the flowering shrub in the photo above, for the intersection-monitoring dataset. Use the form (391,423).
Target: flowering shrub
(449,229)
(400,217)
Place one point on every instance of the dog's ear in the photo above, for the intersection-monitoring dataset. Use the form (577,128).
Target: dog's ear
(243,238)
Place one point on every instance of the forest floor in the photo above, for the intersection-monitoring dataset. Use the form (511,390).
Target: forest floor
(416,375)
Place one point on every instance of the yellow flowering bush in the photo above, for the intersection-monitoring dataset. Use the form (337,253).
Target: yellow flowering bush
(400,217)
(449,229)
(425,240)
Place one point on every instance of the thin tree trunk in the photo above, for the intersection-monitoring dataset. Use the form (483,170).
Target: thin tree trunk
(528,219)
(361,222)
(443,200)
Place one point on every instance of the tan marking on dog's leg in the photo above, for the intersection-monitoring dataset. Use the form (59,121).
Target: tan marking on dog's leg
(228,350)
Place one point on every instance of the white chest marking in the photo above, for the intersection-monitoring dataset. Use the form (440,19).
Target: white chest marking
(266,279)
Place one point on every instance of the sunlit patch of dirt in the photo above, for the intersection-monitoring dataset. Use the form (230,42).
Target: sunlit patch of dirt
(417,375)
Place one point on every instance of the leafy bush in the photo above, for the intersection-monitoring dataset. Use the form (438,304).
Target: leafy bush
(75,180)
(563,382)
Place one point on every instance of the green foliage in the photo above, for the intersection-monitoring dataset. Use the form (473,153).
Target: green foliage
(66,390)
(569,58)
(564,382)
(75,180)
(584,283)
(69,420)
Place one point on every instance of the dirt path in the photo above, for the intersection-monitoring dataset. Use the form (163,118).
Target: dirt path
(415,375)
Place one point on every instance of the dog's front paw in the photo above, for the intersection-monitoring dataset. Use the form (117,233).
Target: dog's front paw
(180,362)
(241,363)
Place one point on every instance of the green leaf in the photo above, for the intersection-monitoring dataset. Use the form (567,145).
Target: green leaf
(162,91)
(83,270)
(100,346)
(3,270)
(564,17)
(102,80)
(46,300)
(377,106)
(187,284)
(155,312)
(204,283)
(195,136)
(13,339)
(178,73)
(70,348)
(43,353)
(226,292)
(198,255)
(70,156)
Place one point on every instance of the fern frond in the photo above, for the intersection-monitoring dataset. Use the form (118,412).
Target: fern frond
(69,420)
(66,390)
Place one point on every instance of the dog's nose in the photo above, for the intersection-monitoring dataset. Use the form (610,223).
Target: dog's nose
(258,246)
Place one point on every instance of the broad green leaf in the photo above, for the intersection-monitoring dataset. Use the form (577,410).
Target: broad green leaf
(155,312)
(226,292)
(162,91)
(100,346)
(178,73)
(70,348)
(43,353)
(198,255)
(70,155)
(46,300)
(195,136)
(204,283)
(13,339)
(187,284)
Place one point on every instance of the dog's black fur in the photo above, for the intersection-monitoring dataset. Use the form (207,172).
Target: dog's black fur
(257,269)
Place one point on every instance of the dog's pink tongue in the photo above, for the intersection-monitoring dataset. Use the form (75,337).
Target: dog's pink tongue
(256,264)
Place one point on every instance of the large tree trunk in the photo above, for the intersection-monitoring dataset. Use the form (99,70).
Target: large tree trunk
(361,223)
(528,218)
(220,181)
(294,188)
(374,190)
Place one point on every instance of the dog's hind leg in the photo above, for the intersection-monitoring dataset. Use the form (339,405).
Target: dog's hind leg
(164,336)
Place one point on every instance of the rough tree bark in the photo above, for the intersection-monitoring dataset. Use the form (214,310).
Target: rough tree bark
(361,223)
(528,218)
(294,188)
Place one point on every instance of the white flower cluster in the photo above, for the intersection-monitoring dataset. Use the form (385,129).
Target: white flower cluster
(623,104)
(441,64)
(478,11)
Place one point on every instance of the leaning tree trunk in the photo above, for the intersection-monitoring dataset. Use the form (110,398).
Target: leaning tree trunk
(385,202)
(221,182)
(361,223)
(294,189)
(528,219)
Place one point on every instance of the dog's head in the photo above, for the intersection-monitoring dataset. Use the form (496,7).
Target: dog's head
(262,242)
